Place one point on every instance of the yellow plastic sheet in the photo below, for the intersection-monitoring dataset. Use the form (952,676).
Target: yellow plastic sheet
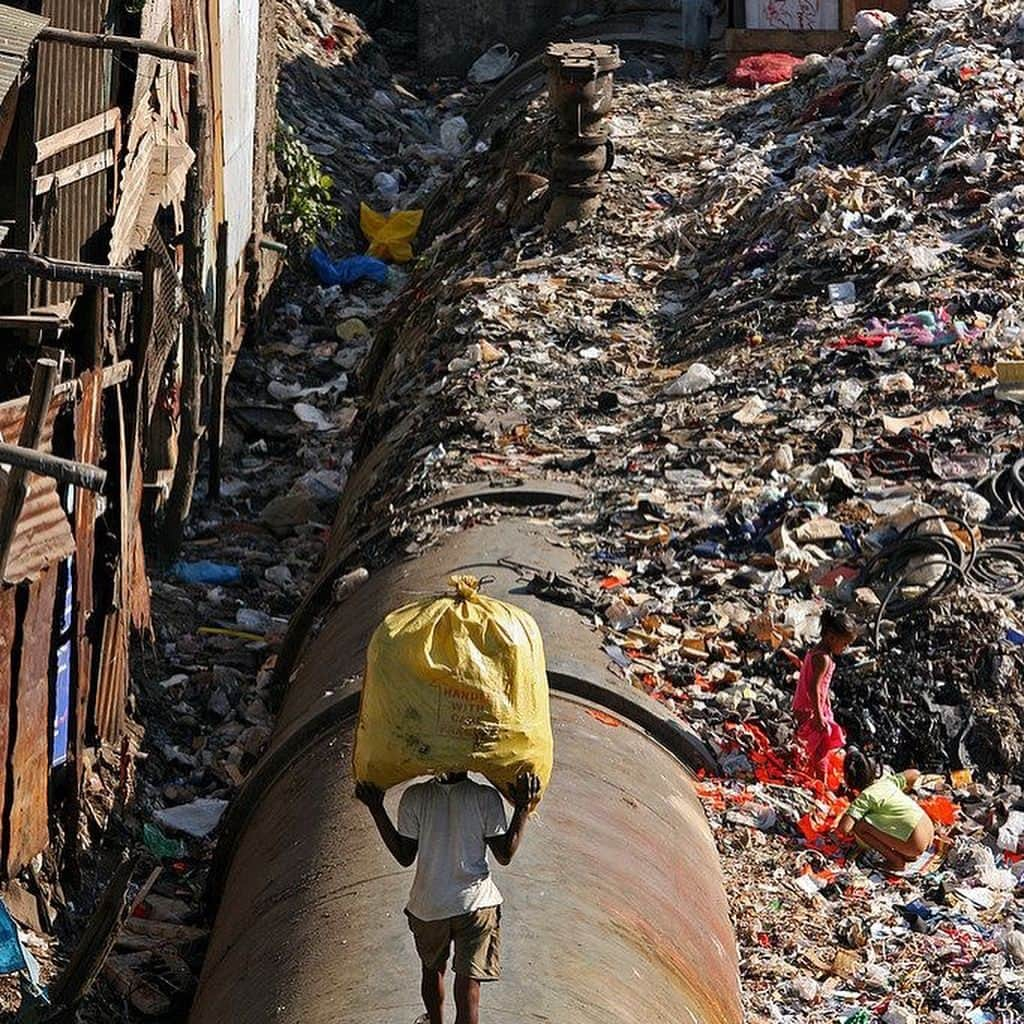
(390,234)
(454,683)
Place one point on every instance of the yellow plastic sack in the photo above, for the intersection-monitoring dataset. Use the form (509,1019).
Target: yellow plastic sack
(454,683)
(390,234)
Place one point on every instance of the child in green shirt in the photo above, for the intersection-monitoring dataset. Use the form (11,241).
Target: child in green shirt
(883,817)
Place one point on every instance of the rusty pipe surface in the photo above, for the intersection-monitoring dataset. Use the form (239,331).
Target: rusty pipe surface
(615,906)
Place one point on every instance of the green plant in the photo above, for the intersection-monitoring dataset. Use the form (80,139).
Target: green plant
(308,206)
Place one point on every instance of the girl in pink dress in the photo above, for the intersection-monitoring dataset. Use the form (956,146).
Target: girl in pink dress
(817,731)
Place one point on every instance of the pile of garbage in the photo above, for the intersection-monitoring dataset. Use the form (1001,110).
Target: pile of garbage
(770,363)
(825,939)
(888,173)
(383,138)
(840,441)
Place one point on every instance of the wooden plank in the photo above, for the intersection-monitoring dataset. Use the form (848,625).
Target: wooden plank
(116,373)
(216,98)
(65,471)
(17,296)
(7,631)
(73,983)
(88,417)
(197,328)
(29,764)
(81,132)
(51,269)
(34,322)
(139,604)
(76,172)
(44,380)
(111,685)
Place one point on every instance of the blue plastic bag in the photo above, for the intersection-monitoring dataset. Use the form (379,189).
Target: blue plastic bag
(348,270)
(211,573)
(12,955)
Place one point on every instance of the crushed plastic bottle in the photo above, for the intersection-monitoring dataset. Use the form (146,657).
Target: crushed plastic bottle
(807,989)
(698,377)
(387,185)
(455,134)
(495,63)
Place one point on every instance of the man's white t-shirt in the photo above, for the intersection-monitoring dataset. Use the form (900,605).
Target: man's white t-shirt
(451,821)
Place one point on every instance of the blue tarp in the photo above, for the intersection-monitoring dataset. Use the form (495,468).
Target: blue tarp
(12,956)
(62,686)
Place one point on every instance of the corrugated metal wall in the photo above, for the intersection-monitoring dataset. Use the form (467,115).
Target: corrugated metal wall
(74,84)
(27,655)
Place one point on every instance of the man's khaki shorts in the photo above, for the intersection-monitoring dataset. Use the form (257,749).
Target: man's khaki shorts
(477,938)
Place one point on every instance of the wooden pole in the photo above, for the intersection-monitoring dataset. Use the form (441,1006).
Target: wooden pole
(102,41)
(67,270)
(66,471)
(44,380)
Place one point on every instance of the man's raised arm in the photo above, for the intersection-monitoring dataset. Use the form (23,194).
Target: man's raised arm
(524,793)
(402,848)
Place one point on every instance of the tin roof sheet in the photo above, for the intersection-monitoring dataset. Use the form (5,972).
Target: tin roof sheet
(18,31)
(43,534)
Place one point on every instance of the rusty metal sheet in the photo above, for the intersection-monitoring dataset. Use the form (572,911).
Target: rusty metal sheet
(614,909)
(111,684)
(112,681)
(88,417)
(169,310)
(43,534)
(138,579)
(8,620)
(73,84)
(18,31)
(29,763)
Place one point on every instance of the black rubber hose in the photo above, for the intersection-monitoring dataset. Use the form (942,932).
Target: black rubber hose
(893,565)
(986,574)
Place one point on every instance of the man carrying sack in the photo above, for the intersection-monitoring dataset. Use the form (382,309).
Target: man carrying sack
(454,683)
(447,825)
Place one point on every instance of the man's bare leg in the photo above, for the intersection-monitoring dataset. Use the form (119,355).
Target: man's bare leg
(432,991)
(467,1000)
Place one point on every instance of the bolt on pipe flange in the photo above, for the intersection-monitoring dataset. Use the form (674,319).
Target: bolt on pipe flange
(580,91)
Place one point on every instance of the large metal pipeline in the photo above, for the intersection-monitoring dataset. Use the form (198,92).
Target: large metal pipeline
(615,910)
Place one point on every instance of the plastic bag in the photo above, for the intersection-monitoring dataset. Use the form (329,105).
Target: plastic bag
(347,270)
(390,234)
(454,683)
(763,69)
(496,63)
